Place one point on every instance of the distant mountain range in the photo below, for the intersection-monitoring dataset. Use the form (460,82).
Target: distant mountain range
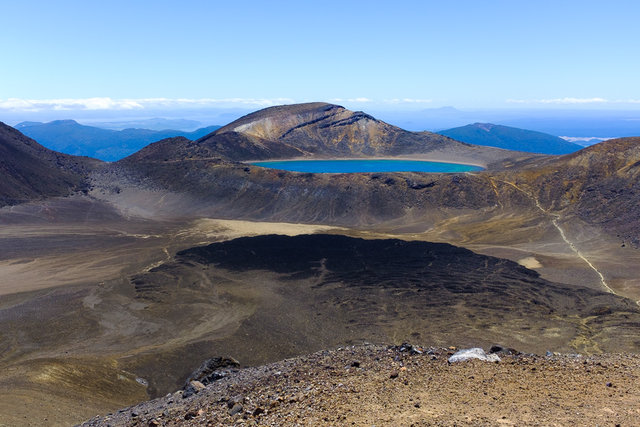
(208,170)
(576,185)
(511,138)
(69,136)
(558,122)
(152,124)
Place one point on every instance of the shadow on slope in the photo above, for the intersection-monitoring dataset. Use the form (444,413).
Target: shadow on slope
(315,291)
(262,299)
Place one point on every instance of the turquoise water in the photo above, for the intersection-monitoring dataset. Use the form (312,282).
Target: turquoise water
(353,166)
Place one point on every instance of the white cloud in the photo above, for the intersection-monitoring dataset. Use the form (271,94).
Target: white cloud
(574,101)
(16,104)
(585,138)
(393,101)
(207,102)
(407,101)
(64,104)
(142,104)
(362,99)
(566,100)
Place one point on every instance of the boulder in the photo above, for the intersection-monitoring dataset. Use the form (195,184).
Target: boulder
(473,353)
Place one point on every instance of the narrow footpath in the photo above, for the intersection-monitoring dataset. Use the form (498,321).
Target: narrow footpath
(554,220)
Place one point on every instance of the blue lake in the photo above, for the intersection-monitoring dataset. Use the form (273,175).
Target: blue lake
(354,166)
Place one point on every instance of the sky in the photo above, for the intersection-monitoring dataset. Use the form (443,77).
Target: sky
(136,56)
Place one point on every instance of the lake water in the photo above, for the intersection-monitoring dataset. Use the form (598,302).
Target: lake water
(354,166)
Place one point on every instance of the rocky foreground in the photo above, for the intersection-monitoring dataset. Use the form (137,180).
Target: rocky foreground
(403,385)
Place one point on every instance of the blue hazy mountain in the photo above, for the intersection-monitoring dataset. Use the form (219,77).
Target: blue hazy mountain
(559,122)
(511,138)
(151,124)
(70,137)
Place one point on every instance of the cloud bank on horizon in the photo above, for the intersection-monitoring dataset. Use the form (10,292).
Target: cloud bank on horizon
(96,104)
(107,103)
(175,105)
(574,101)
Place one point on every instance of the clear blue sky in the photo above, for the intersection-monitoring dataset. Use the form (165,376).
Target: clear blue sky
(423,54)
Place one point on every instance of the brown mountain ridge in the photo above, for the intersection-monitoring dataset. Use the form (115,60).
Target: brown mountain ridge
(317,130)
(31,171)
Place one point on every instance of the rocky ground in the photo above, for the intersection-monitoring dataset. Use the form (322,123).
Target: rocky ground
(404,385)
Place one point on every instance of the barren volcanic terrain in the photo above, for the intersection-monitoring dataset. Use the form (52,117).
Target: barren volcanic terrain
(406,385)
(118,279)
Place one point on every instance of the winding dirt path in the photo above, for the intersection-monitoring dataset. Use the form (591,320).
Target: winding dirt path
(572,246)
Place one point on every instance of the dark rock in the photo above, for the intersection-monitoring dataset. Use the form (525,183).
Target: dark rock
(419,186)
(503,350)
(211,370)
(407,348)
(235,409)
(188,391)
(394,374)
(258,411)
(497,349)
(207,371)
(355,364)
(234,401)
